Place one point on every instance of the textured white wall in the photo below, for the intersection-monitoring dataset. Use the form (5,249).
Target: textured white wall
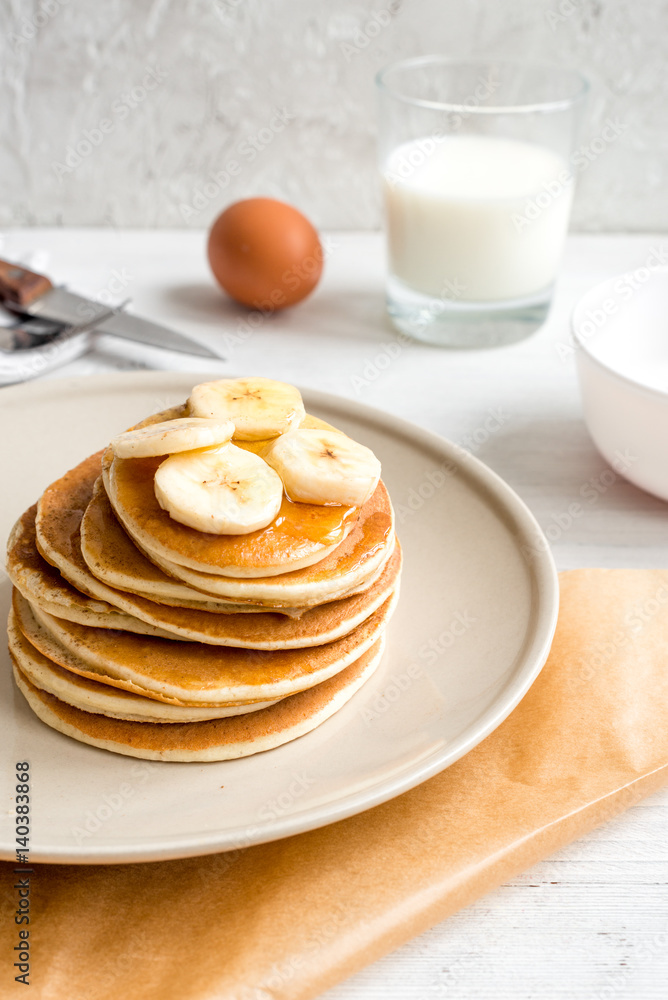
(184,87)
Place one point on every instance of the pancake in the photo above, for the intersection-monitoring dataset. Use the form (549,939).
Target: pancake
(301,534)
(59,513)
(134,633)
(41,584)
(91,696)
(350,569)
(191,673)
(45,589)
(114,559)
(218,739)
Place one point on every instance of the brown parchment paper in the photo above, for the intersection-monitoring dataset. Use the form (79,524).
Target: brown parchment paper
(291,918)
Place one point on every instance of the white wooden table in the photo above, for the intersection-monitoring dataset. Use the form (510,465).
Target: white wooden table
(591,921)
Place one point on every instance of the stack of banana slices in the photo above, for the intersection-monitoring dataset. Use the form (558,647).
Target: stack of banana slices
(216,583)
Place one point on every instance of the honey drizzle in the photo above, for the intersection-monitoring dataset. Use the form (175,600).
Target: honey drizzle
(323,524)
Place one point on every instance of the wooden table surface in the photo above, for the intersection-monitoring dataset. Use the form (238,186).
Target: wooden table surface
(591,921)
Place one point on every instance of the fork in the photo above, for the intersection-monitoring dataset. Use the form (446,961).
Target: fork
(35,346)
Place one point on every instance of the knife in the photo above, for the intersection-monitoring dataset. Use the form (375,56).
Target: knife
(33,294)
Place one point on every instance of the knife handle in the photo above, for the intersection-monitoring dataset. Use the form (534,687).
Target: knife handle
(20,286)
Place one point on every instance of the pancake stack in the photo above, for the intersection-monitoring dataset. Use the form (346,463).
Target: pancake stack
(216,583)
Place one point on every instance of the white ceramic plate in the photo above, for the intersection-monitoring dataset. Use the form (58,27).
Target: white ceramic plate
(473,628)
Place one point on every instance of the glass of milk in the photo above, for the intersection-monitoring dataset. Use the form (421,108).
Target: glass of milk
(477,162)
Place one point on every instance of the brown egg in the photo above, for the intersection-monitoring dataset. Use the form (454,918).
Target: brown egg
(264,253)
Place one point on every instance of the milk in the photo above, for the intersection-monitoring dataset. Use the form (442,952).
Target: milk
(476,218)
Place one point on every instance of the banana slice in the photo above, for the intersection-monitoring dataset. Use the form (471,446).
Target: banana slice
(259,407)
(223,491)
(324,467)
(171,436)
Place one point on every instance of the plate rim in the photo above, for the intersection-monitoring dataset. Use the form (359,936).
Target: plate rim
(545,599)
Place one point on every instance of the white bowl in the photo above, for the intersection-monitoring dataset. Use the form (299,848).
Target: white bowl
(620,329)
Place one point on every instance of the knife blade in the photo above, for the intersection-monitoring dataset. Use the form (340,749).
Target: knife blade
(33,294)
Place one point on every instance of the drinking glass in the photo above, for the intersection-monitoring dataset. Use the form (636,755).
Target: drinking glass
(477,159)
